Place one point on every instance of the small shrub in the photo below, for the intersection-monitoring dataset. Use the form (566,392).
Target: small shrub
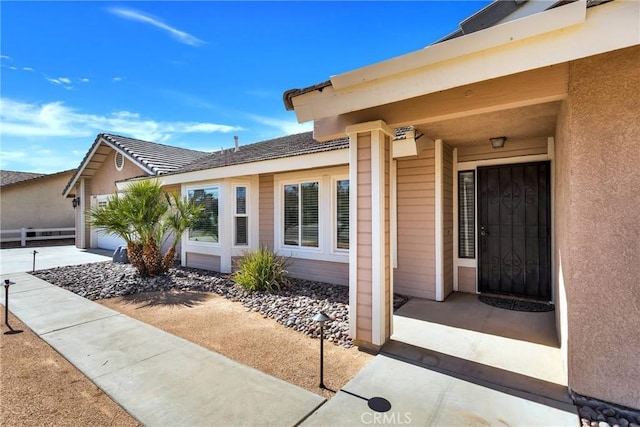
(262,270)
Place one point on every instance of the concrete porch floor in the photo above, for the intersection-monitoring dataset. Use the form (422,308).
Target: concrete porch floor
(502,349)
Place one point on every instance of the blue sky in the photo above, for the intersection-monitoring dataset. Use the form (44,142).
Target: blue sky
(189,74)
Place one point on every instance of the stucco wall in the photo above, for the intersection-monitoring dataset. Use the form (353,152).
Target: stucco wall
(104,180)
(36,204)
(598,201)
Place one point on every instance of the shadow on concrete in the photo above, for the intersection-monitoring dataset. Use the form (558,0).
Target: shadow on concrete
(465,311)
(522,386)
(171,298)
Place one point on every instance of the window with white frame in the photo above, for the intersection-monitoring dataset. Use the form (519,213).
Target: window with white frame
(466,214)
(301,214)
(241,218)
(342,214)
(206,228)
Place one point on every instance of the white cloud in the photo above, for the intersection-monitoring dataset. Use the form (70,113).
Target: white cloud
(5,57)
(117,79)
(84,80)
(54,119)
(13,68)
(66,81)
(27,69)
(135,15)
(289,127)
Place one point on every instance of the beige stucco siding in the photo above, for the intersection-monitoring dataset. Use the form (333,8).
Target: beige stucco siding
(104,180)
(321,271)
(512,148)
(597,244)
(467,279)
(415,274)
(37,204)
(447,219)
(202,261)
(363,310)
(266,210)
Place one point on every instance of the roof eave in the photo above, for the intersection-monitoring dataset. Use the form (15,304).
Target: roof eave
(442,66)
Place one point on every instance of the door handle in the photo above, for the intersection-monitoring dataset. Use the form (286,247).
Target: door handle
(483,231)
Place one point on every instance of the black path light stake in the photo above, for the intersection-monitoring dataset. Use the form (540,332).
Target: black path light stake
(8,283)
(34,261)
(321,318)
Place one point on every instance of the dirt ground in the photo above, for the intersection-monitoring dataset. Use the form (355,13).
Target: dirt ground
(247,337)
(39,387)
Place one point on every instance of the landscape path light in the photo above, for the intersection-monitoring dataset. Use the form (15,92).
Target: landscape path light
(8,283)
(34,260)
(320,318)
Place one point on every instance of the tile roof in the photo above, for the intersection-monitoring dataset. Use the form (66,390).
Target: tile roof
(13,177)
(158,158)
(286,146)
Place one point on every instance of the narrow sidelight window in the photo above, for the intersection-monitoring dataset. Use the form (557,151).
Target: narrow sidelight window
(342,214)
(466,214)
(241,217)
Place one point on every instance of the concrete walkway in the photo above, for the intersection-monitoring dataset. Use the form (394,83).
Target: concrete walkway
(435,371)
(17,260)
(160,379)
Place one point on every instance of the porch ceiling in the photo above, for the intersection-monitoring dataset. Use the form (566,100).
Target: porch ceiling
(533,121)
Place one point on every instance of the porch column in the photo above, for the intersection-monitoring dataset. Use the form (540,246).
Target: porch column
(370,260)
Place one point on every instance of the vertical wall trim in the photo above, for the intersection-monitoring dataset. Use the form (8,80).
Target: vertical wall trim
(185,236)
(353,234)
(439,214)
(225,206)
(455,219)
(551,150)
(393,231)
(377,236)
(254,212)
(83,203)
(393,208)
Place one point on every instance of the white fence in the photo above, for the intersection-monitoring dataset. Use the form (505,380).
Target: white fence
(24,235)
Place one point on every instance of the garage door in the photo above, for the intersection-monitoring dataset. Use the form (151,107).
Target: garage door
(107,241)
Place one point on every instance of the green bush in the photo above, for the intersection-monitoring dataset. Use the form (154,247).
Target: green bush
(262,270)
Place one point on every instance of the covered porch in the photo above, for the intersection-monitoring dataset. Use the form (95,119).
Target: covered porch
(509,351)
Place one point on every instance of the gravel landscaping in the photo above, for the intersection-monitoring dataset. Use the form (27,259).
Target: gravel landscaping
(595,413)
(293,307)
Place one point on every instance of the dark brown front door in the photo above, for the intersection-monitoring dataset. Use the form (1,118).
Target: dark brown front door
(514,230)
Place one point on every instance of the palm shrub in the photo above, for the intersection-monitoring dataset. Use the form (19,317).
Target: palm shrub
(262,270)
(144,216)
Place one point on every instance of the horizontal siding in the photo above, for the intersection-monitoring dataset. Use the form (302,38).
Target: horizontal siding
(415,275)
(266,211)
(336,273)
(205,262)
(364,267)
(484,151)
(467,279)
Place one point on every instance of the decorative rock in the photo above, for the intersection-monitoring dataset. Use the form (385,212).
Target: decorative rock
(292,307)
(603,424)
(608,412)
